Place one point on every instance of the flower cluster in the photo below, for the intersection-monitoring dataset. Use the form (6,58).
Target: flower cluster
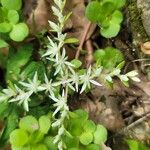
(66,77)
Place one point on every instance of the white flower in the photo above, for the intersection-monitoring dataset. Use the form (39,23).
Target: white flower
(22,97)
(60,103)
(61,63)
(54,26)
(48,86)
(87,79)
(9,92)
(33,86)
(75,80)
(52,49)
(65,81)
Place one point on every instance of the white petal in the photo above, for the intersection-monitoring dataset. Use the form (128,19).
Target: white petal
(95,83)
(136,79)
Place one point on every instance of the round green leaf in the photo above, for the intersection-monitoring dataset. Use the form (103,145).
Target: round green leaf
(108,7)
(77,63)
(92,11)
(19,32)
(13,16)
(111,31)
(18,138)
(29,123)
(100,135)
(22,148)
(48,141)
(99,54)
(93,147)
(86,138)
(117,17)
(71,142)
(39,147)
(81,114)
(14,5)
(89,126)
(44,123)
(5,27)
(36,137)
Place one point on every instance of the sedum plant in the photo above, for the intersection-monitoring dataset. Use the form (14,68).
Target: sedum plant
(10,22)
(67,76)
(107,14)
(50,84)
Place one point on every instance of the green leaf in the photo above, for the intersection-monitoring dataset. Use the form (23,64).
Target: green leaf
(109,57)
(29,123)
(92,11)
(36,137)
(5,27)
(4,109)
(33,67)
(44,123)
(15,5)
(120,65)
(48,141)
(73,148)
(108,7)
(18,138)
(81,114)
(100,135)
(110,31)
(93,147)
(77,63)
(117,17)
(76,122)
(11,123)
(71,40)
(19,32)
(119,3)
(17,60)
(39,147)
(22,148)
(89,126)
(99,54)
(135,145)
(71,142)
(3,44)
(86,138)
(13,16)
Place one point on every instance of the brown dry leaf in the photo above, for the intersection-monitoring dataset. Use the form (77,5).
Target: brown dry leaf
(38,12)
(145,48)
(37,15)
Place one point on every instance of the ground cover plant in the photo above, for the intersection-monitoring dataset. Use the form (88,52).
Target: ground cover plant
(40,81)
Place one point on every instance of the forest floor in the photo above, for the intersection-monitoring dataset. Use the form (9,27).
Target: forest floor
(124,111)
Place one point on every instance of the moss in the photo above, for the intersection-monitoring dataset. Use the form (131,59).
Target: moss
(138,31)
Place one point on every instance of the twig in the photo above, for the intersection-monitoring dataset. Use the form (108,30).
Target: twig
(135,123)
(89,47)
(87,28)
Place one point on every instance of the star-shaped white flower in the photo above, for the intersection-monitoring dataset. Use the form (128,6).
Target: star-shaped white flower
(75,80)
(48,86)
(34,85)
(22,97)
(53,49)
(61,63)
(87,79)
(60,103)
